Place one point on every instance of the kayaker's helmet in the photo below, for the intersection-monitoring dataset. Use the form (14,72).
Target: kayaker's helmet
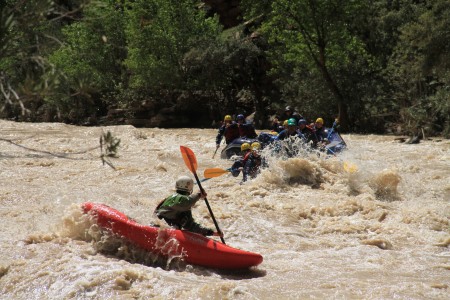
(319,120)
(228,118)
(245,146)
(292,122)
(240,117)
(256,146)
(184,184)
(302,122)
(285,122)
(288,108)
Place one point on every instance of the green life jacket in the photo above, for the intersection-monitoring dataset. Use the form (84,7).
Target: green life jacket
(175,204)
(175,199)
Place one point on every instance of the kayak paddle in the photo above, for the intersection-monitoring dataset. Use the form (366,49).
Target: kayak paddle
(214,172)
(191,162)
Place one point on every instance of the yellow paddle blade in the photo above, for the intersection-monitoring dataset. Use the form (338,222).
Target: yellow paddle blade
(214,172)
(189,158)
(350,167)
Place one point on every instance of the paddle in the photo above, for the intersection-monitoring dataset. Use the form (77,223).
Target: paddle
(217,148)
(215,172)
(215,152)
(191,162)
(330,132)
(350,167)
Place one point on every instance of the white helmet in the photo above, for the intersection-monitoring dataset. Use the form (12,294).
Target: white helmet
(184,184)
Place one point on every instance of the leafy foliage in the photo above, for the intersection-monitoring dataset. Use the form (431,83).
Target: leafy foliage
(311,40)
(420,68)
(109,146)
(89,63)
(377,64)
(160,33)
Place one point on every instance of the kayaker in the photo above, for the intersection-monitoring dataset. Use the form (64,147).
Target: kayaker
(176,209)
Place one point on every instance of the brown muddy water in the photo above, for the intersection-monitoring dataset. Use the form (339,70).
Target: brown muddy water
(373,223)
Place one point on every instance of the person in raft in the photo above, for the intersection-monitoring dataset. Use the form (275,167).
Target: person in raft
(176,209)
(252,162)
(229,130)
(238,165)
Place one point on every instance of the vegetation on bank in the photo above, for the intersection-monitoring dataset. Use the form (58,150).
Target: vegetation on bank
(377,65)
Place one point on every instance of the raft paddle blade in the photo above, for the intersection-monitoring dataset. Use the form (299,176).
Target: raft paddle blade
(350,167)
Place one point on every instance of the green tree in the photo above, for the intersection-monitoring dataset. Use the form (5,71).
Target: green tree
(419,69)
(29,32)
(160,33)
(90,62)
(315,37)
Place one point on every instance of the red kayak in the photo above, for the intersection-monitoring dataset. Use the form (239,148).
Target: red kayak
(192,247)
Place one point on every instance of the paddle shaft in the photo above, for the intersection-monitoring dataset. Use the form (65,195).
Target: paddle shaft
(209,207)
(191,163)
(215,152)
(217,148)
(331,130)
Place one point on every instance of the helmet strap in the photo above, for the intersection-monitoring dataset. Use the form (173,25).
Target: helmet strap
(182,192)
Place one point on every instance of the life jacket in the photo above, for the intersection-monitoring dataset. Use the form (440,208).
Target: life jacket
(246,157)
(257,160)
(231,133)
(285,133)
(247,130)
(172,205)
(309,133)
(251,166)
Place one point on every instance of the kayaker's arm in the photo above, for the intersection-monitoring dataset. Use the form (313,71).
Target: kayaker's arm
(218,233)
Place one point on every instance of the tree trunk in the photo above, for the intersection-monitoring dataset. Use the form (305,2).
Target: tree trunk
(341,105)
(260,119)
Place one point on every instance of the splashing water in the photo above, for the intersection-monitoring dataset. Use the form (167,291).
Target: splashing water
(371,223)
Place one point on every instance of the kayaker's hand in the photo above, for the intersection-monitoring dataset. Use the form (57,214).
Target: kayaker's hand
(217,146)
(203,194)
(218,233)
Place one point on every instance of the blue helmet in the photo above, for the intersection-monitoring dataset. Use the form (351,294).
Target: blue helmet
(240,117)
(302,122)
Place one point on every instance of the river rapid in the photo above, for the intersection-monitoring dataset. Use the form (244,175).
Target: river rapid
(372,223)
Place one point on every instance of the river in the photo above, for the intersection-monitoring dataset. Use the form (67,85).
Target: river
(372,223)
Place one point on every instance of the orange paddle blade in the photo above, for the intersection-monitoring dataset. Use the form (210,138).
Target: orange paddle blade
(189,158)
(214,172)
